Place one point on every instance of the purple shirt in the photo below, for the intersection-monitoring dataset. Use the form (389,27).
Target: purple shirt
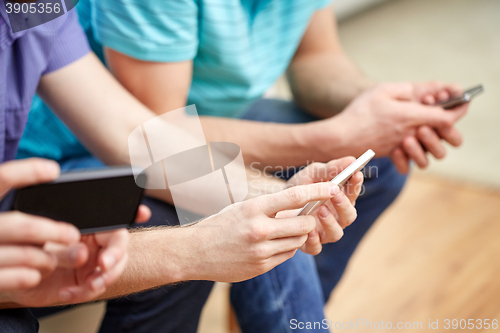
(24,58)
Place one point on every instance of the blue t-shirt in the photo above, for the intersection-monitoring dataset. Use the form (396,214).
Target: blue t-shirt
(239,48)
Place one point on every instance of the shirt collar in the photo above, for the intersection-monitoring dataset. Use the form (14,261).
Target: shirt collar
(6,34)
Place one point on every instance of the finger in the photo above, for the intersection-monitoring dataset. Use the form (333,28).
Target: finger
(290,227)
(320,172)
(287,213)
(143,214)
(353,186)
(281,245)
(345,210)
(414,151)
(22,173)
(400,160)
(418,114)
(19,278)
(94,285)
(114,247)
(434,88)
(431,141)
(68,256)
(29,229)
(312,245)
(100,280)
(458,112)
(454,89)
(280,258)
(443,96)
(326,172)
(451,135)
(79,294)
(27,256)
(332,231)
(295,197)
(428,99)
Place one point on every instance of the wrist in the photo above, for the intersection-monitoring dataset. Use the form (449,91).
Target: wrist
(325,140)
(188,259)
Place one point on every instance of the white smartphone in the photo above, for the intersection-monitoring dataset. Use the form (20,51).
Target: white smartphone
(341,179)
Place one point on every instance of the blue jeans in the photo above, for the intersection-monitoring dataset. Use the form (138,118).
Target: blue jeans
(296,289)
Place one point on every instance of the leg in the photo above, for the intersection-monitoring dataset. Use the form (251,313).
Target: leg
(268,303)
(382,186)
(175,308)
(292,290)
(380,191)
(18,321)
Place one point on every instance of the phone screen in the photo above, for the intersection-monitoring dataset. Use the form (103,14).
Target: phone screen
(91,205)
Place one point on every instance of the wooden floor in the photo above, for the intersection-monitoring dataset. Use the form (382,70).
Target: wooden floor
(435,254)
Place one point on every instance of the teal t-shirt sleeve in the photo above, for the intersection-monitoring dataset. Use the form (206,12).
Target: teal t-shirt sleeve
(323,3)
(150,30)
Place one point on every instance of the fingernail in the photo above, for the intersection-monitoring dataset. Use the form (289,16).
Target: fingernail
(108,261)
(323,212)
(338,199)
(64,296)
(97,283)
(334,190)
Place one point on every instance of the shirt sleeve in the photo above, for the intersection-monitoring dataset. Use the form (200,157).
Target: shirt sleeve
(71,44)
(323,4)
(149,30)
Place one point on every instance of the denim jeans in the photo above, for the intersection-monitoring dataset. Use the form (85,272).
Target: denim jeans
(296,289)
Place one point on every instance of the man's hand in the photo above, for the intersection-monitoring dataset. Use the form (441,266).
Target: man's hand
(428,139)
(337,213)
(23,262)
(44,262)
(91,266)
(381,119)
(246,239)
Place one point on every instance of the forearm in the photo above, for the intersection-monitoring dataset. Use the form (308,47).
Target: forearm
(324,84)
(95,107)
(266,145)
(157,256)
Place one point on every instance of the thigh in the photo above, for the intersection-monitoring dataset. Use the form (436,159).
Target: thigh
(272,301)
(382,185)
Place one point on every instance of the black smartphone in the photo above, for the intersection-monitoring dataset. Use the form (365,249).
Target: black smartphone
(468,95)
(93,200)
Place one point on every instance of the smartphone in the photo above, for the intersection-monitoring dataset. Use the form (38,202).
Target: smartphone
(341,179)
(465,98)
(93,200)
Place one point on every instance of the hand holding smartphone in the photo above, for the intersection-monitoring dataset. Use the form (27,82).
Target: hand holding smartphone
(467,96)
(341,179)
(93,200)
